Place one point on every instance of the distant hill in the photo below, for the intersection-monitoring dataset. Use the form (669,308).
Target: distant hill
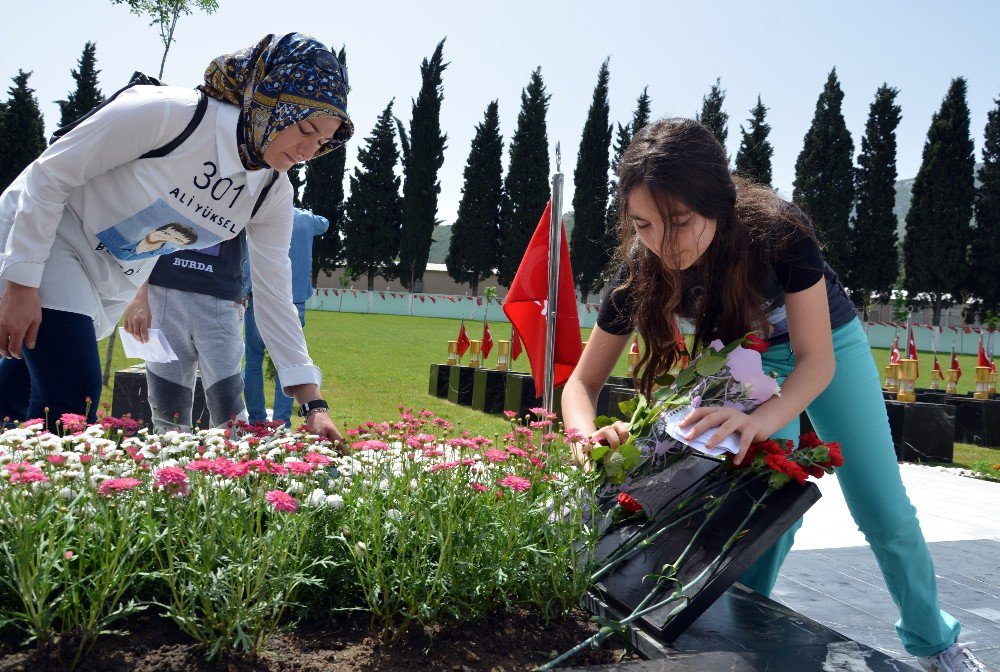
(904,193)
(442,239)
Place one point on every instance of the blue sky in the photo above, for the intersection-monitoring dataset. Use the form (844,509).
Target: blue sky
(782,50)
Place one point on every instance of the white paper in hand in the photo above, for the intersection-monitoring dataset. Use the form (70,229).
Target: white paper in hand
(671,420)
(156,349)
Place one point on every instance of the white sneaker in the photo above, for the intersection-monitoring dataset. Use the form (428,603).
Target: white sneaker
(956,658)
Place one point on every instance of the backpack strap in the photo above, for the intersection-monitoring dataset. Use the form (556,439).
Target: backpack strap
(199,114)
(263,193)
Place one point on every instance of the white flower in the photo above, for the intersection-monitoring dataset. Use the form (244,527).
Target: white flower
(67,493)
(334,501)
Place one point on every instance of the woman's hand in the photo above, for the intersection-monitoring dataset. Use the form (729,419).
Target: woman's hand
(321,423)
(20,317)
(726,421)
(612,436)
(138,319)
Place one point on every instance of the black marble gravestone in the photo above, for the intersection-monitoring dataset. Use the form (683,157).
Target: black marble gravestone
(661,495)
(131,397)
(437,385)
(922,432)
(977,421)
(520,395)
(488,389)
(617,395)
(460,384)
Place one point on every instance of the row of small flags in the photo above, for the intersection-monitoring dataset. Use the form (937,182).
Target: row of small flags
(911,353)
(463,342)
(968,330)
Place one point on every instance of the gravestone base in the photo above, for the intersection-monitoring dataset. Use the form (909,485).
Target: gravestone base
(488,388)
(437,385)
(922,432)
(460,380)
(977,421)
(131,397)
(520,395)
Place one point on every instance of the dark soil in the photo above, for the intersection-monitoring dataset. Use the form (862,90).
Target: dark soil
(508,642)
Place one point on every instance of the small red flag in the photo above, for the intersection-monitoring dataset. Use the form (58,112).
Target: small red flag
(938,373)
(983,359)
(894,355)
(911,349)
(634,350)
(487,341)
(463,340)
(528,302)
(515,346)
(954,362)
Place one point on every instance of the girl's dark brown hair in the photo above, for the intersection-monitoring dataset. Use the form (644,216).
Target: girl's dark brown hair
(684,167)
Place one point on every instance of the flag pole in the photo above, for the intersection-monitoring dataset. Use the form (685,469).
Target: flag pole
(555,247)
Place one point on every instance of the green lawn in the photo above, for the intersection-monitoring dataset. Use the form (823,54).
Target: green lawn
(372,363)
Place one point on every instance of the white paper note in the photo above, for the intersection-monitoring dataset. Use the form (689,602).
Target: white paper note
(730,444)
(155,349)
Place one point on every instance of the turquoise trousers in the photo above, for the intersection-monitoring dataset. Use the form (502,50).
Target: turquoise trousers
(851,410)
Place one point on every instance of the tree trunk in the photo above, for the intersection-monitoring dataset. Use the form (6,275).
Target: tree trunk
(936,310)
(475,286)
(107,356)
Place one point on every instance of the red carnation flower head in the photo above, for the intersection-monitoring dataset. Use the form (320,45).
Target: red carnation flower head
(783,465)
(754,342)
(628,502)
(836,457)
(809,440)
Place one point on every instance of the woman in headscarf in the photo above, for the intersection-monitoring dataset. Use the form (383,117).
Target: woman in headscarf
(62,287)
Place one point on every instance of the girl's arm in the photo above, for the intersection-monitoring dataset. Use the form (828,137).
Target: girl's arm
(808,315)
(579,397)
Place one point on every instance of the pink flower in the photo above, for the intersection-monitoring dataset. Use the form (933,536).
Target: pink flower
(86,459)
(171,480)
(510,415)
(55,459)
(69,555)
(74,423)
(204,466)
(282,501)
(113,486)
(516,451)
(300,468)
(479,487)
(443,465)
(496,455)
(317,458)
(25,472)
(515,483)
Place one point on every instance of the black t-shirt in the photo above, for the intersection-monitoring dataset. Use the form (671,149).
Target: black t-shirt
(799,266)
(216,271)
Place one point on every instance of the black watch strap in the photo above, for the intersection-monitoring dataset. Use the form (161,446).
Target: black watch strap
(306,408)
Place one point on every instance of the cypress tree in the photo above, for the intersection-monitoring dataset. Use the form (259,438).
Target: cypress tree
(588,243)
(324,195)
(935,249)
(986,237)
(824,174)
(423,155)
(625,134)
(712,114)
(874,257)
(374,210)
(88,94)
(23,133)
(526,186)
(753,160)
(475,235)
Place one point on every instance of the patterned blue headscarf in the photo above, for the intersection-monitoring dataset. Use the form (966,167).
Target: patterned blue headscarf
(278,83)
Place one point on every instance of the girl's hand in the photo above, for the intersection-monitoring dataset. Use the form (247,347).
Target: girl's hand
(138,318)
(726,421)
(612,435)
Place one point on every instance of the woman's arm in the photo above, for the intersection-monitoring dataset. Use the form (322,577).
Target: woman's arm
(808,315)
(579,397)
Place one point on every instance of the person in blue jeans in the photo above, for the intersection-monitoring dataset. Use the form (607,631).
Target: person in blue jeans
(732,257)
(305,226)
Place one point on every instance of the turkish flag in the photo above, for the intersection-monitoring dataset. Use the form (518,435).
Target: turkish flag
(634,350)
(528,302)
(911,349)
(463,340)
(937,373)
(983,359)
(515,346)
(894,355)
(487,341)
(954,362)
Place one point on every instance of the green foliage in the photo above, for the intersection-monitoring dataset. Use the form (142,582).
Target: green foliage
(475,236)
(422,158)
(874,256)
(374,210)
(712,115)
(935,249)
(824,175)
(324,195)
(986,236)
(588,251)
(22,134)
(625,134)
(753,159)
(526,186)
(88,94)
(164,14)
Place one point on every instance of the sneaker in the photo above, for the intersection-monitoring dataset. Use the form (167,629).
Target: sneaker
(956,658)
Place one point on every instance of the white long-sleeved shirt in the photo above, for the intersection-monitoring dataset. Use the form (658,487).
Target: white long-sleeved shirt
(81,222)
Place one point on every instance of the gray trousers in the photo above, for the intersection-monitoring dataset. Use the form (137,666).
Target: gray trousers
(206,333)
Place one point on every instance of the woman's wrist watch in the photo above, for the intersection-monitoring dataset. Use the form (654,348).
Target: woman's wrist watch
(313,406)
